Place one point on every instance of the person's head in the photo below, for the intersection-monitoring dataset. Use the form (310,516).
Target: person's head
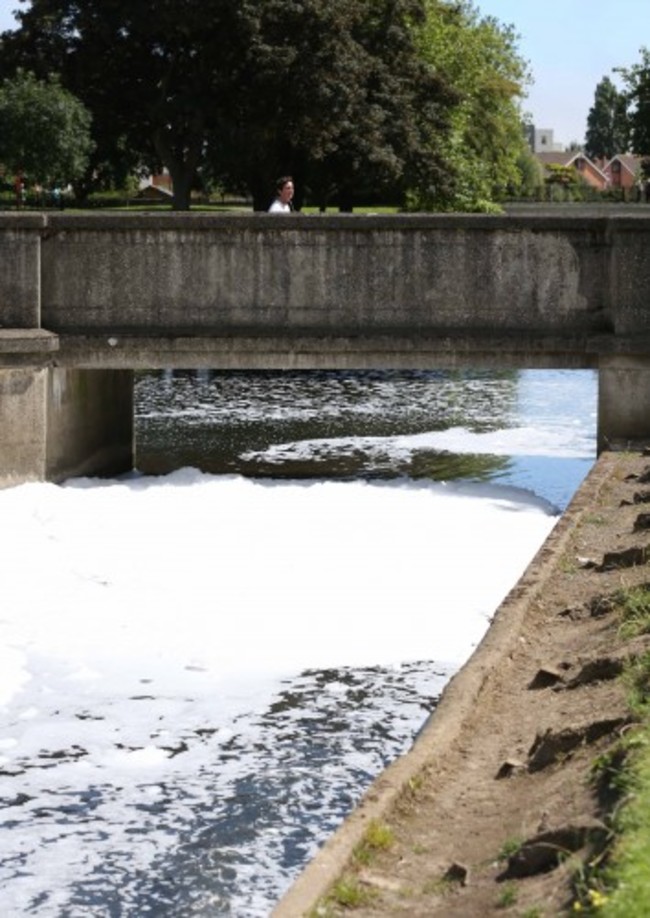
(284,189)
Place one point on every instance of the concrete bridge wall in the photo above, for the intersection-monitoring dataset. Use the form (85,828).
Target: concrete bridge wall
(88,294)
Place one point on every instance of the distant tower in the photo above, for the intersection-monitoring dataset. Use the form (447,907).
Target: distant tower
(543,141)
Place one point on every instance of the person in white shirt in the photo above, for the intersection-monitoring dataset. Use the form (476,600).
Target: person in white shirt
(284,195)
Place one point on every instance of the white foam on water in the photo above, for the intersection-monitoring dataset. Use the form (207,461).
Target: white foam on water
(147,625)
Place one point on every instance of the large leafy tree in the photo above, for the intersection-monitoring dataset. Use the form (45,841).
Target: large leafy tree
(479,57)
(608,126)
(155,74)
(336,93)
(331,90)
(44,131)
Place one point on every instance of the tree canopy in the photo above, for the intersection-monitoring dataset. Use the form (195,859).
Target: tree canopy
(479,57)
(352,97)
(637,82)
(608,127)
(44,131)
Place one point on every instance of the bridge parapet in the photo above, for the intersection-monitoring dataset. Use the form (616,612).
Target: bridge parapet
(201,274)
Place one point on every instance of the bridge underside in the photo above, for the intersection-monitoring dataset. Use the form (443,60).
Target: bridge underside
(66,406)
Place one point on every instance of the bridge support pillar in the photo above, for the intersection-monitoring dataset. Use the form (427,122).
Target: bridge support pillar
(57,423)
(623,401)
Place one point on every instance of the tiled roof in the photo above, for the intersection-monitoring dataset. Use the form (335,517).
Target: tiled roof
(628,161)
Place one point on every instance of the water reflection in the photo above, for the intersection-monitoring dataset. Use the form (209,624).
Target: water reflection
(226,422)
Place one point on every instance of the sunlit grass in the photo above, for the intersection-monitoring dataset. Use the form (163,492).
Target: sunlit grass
(629,871)
(634,606)
(377,837)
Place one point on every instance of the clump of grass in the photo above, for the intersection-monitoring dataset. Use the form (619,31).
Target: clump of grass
(617,883)
(595,519)
(349,893)
(437,886)
(637,681)
(508,848)
(628,873)
(508,896)
(634,606)
(377,837)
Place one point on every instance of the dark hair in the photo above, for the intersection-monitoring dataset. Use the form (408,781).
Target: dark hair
(281,182)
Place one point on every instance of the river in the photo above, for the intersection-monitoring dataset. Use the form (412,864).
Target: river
(203,664)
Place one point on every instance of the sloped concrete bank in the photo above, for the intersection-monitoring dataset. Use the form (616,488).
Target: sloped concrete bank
(460,698)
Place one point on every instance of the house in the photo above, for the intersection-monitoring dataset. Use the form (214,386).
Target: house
(157,187)
(624,171)
(575,159)
(154,193)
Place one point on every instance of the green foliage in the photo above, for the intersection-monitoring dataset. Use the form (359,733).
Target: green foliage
(44,131)
(637,82)
(350,893)
(507,896)
(479,57)
(557,174)
(392,101)
(377,837)
(628,875)
(608,125)
(508,848)
(334,92)
(531,175)
(634,605)
(337,94)
(637,678)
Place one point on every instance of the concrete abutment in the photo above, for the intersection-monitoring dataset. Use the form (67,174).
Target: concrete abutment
(59,423)
(623,402)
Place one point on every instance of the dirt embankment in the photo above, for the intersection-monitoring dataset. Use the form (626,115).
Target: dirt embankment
(504,764)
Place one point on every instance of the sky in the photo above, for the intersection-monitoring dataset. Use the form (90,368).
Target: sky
(570,46)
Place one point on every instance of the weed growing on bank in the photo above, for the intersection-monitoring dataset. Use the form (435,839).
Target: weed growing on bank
(620,887)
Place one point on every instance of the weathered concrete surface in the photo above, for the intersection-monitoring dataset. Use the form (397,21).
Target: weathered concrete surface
(23,425)
(194,274)
(127,291)
(58,423)
(623,401)
(90,423)
(20,252)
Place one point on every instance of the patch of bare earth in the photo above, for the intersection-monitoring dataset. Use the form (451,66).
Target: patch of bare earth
(516,776)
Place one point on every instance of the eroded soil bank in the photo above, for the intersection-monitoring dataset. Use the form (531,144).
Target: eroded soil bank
(505,763)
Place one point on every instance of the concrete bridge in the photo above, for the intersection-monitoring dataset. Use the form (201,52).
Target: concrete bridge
(86,300)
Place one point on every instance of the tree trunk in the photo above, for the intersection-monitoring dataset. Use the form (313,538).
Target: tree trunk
(182,178)
(182,168)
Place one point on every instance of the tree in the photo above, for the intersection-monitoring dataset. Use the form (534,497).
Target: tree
(337,94)
(637,81)
(331,90)
(608,127)
(44,131)
(479,57)
(154,74)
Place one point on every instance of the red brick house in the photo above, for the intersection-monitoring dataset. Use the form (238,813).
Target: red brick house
(576,159)
(624,171)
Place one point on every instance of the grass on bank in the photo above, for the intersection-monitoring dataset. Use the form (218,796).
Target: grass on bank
(624,888)
(619,887)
